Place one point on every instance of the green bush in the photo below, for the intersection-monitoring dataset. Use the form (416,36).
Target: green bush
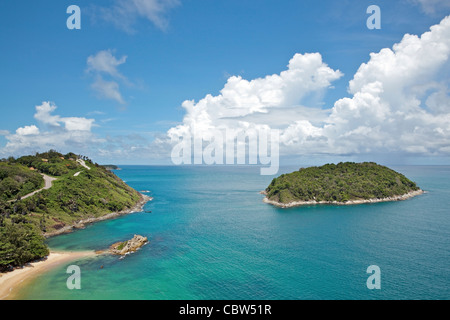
(17,180)
(19,244)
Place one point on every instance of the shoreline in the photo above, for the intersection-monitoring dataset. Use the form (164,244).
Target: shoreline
(11,282)
(292,204)
(138,207)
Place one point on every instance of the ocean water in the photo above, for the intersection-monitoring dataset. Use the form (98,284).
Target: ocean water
(212,237)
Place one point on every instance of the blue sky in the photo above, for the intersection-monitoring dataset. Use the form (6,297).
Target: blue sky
(160,53)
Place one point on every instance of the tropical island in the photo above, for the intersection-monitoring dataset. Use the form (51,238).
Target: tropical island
(343,183)
(49,194)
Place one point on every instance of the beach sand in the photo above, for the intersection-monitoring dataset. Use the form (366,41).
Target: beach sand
(10,282)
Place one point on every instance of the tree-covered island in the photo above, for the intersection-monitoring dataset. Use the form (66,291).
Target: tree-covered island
(344,183)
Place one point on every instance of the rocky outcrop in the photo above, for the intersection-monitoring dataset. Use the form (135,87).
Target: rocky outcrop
(126,247)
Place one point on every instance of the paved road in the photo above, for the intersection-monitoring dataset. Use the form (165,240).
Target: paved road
(48,184)
(49,181)
(83,164)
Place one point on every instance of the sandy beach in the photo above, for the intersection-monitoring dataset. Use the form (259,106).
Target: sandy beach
(10,282)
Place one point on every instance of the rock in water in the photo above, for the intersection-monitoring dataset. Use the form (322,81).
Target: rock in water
(123,248)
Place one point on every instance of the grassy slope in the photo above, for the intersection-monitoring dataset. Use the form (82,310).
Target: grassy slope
(91,194)
(17,180)
(341,183)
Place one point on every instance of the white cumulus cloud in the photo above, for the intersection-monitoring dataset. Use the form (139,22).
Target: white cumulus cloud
(54,132)
(399,102)
(400,99)
(28,131)
(45,116)
(257,102)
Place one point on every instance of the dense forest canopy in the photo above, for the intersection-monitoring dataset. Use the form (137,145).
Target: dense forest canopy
(339,183)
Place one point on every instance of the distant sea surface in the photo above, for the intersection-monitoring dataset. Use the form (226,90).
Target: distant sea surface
(212,237)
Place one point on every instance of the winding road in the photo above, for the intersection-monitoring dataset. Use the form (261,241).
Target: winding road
(48,184)
(83,164)
(49,181)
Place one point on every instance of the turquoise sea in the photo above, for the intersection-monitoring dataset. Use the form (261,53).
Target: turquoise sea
(212,237)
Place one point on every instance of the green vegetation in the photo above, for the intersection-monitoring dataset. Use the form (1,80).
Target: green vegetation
(17,181)
(51,163)
(122,245)
(20,242)
(23,222)
(341,183)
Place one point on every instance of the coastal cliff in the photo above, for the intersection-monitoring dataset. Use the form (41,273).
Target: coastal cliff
(79,192)
(81,224)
